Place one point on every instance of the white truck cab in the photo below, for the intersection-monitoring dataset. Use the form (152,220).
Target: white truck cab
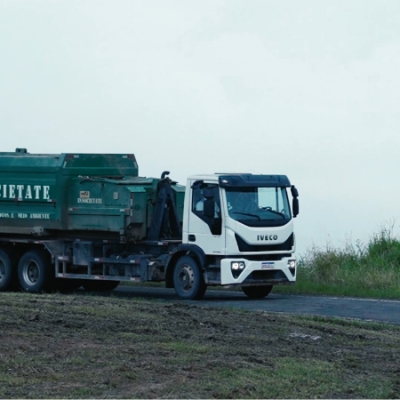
(244,225)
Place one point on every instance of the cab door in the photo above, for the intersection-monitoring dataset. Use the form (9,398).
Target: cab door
(206,230)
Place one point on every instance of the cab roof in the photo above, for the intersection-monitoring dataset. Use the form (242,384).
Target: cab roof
(244,179)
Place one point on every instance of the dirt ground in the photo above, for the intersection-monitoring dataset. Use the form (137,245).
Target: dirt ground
(75,346)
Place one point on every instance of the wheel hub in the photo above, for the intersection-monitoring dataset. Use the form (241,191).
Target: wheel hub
(31,273)
(186,277)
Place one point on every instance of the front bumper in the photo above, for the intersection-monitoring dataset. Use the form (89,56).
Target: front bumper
(274,272)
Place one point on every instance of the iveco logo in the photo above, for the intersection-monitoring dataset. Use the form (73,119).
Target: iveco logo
(266,237)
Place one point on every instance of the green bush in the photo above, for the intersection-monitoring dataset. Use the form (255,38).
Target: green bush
(355,270)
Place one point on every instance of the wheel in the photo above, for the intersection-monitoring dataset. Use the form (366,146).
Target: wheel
(188,279)
(34,271)
(257,292)
(99,286)
(8,269)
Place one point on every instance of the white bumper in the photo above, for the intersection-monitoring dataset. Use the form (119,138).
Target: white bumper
(275,272)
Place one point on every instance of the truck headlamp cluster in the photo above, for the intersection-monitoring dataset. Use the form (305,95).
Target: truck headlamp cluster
(292,266)
(237,267)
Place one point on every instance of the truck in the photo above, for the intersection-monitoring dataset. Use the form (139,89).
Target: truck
(89,220)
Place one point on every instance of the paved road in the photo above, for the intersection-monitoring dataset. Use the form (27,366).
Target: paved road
(345,307)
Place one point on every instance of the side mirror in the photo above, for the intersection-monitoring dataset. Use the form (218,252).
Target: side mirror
(209,208)
(295,192)
(197,184)
(208,193)
(295,207)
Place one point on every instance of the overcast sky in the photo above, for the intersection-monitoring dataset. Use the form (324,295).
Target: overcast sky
(309,89)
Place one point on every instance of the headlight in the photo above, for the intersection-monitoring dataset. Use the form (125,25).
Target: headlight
(237,267)
(292,266)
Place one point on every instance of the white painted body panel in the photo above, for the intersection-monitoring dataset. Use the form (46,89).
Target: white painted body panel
(226,245)
(211,244)
(250,266)
(193,225)
(249,235)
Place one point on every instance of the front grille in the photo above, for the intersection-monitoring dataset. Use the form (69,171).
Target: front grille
(266,257)
(243,246)
(266,276)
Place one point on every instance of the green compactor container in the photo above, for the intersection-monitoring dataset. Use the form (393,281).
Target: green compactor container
(77,196)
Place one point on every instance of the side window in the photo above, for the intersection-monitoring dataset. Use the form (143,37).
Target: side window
(202,194)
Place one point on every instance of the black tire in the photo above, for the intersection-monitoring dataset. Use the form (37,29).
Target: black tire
(34,271)
(8,269)
(257,292)
(188,280)
(99,286)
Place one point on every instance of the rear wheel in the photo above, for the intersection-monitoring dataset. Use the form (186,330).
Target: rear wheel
(99,286)
(34,271)
(188,279)
(257,292)
(8,269)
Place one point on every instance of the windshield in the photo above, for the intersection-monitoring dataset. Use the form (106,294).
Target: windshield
(258,206)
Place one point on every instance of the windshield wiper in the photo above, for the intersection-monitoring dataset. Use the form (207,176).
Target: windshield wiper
(273,211)
(250,215)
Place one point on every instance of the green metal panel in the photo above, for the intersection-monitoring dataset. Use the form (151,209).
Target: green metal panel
(34,188)
(71,164)
(110,206)
(138,196)
(118,165)
(179,191)
(29,193)
(67,194)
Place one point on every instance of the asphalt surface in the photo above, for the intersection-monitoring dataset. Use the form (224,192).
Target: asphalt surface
(343,307)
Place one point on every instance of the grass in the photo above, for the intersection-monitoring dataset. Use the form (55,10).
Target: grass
(370,270)
(95,347)
(312,379)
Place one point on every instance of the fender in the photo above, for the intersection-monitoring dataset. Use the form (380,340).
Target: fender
(196,250)
(182,249)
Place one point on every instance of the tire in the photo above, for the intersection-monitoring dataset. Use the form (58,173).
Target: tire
(8,269)
(188,280)
(257,292)
(99,286)
(34,271)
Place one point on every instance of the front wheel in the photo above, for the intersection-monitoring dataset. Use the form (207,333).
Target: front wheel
(188,280)
(257,292)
